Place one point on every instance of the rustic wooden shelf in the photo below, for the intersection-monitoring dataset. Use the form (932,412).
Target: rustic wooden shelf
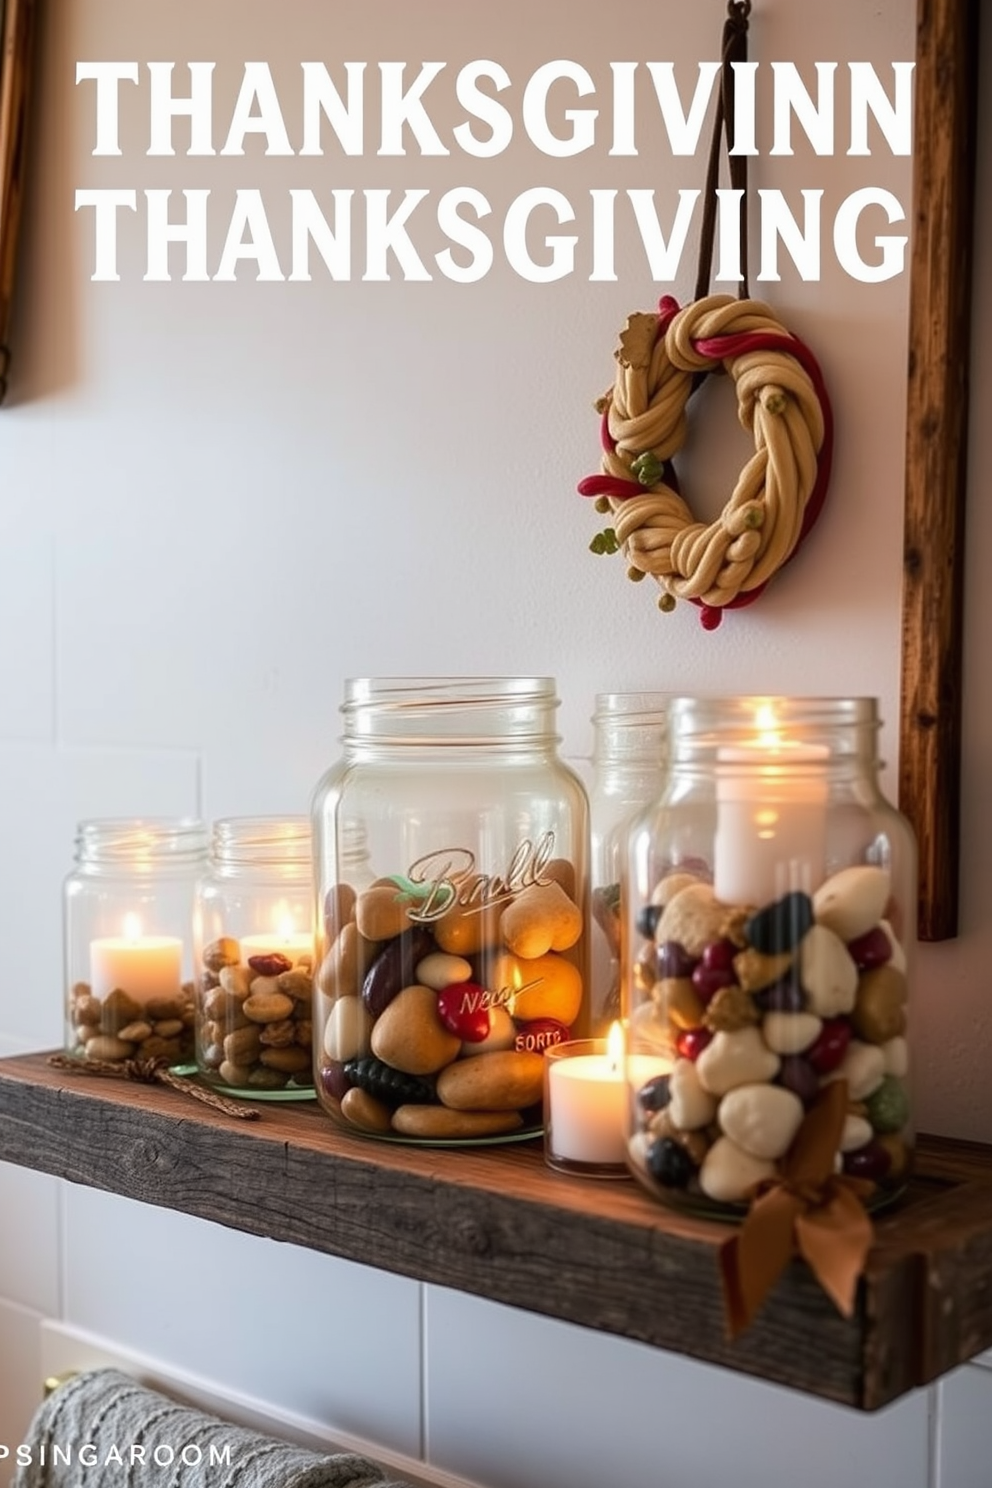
(496,1222)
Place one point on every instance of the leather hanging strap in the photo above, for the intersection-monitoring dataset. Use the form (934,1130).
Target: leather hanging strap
(734,49)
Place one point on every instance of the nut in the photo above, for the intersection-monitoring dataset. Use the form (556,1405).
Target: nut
(221,953)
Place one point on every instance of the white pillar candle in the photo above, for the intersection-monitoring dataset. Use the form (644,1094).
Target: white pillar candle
(143,966)
(771,826)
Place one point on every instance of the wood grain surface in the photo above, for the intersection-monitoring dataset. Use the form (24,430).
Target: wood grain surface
(936,451)
(498,1223)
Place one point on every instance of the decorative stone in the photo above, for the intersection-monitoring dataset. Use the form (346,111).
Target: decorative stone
(505,1081)
(388,1085)
(831,1045)
(799,1076)
(857,1133)
(896,1054)
(898,955)
(546,987)
(872,1161)
(719,955)
(221,953)
(898,1154)
(872,949)
(761,1119)
(333,1079)
(674,960)
(693,917)
(755,971)
(502,1035)
(879,1012)
(462,1010)
(673,883)
(729,1008)
(708,980)
(655,1094)
(681,1003)
(784,996)
(736,1058)
(780,926)
(863,1067)
(729,1175)
(690,1106)
(382,912)
(410,1036)
(535,1038)
(888,1106)
(363,1111)
(439,1124)
(439,970)
(852,901)
(827,972)
(669,1164)
(395,968)
(348,1030)
(647,920)
(691,1042)
(541,919)
(790,1033)
(465,931)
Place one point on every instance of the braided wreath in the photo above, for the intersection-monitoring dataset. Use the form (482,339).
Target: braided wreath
(779,494)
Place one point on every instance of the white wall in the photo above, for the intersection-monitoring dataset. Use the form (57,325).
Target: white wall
(218,500)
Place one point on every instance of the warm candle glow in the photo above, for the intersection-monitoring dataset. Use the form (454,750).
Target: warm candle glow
(614,1047)
(132,927)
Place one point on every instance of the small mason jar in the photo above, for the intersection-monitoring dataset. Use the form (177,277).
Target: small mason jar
(254,946)
(628,764)
(128,907)
(769,917)
(442,982)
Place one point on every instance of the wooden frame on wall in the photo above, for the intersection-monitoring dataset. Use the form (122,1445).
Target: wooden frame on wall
(17,24)
(936,450)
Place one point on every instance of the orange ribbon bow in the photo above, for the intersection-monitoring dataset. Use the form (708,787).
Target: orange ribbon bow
(810,1210)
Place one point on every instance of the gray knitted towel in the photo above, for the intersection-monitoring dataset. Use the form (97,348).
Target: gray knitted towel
(102,1427)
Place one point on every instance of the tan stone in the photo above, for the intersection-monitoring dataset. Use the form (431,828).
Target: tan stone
(439,1124)
(503,1081)
(410,1036)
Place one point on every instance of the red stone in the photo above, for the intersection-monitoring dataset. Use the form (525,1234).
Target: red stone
(333,1079)
(708,980)
(872,949)
(463,1011)
(830,1045)
(538,1035)
(691,1042)
(871,1161)
(719,955)
(272,964)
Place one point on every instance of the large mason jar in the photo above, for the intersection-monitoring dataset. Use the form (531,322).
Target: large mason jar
(128,916)
(442,982)
(254,945)
(769,917)
(628,773)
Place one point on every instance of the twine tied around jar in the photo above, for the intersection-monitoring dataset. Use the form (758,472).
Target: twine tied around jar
(152,1072)
(810,1211)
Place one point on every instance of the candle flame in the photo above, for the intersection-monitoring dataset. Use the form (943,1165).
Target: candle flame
(286,927)
(767,725)
(614,1046)
(132,927)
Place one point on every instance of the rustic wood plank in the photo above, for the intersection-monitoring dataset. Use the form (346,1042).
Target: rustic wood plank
(936,450)
(16,55)
(498,1223)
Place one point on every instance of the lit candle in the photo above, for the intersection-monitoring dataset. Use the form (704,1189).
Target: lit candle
(771,824)
(586,1116)
(143,966)
(285,940)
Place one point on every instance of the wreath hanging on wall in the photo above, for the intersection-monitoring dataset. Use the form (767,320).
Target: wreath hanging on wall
(661,360)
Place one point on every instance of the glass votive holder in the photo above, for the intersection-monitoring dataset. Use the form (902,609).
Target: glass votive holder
(585,1117)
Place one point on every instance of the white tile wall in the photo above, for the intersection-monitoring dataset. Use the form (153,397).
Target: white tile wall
(514,1400)
(20,1380)
(323,1338)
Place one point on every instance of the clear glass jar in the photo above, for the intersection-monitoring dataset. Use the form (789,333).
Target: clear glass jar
(769,916)
(254,943)
(442,983)
(128,911)
(628,761)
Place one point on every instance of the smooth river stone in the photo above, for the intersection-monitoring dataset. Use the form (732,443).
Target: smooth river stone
(898,955)
(739,1057)
(896,1054)
(690,1106)
(439,970)
(790,1033)
(856,1133)
(348,1030)
(779,927)
(410,1037)
(506,1081)
(828,973)
(761,1119)
(694,917)
(852,901)
(502,1035)
(879,1012)
(729,1173)
(863,1067)
(888,1106)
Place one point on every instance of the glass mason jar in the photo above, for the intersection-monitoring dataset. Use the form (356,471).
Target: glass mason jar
(443,981)
(254,943)
(629,760)
(769,916)
(128,909)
